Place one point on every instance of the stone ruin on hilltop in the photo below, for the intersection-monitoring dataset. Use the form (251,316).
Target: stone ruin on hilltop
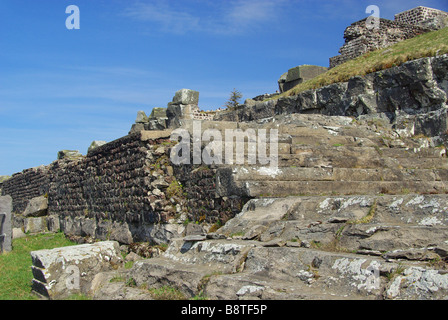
(357,207)
(360,38)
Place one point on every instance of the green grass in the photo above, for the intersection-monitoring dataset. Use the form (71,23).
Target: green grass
(427,45)
(15,266)
(166,293)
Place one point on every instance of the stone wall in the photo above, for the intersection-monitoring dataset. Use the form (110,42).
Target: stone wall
(204,203)
(26,185)
(126,190)
(424,17)
(115,191)
(360,40)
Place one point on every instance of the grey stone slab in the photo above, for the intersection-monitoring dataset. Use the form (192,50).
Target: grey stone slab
(5,224)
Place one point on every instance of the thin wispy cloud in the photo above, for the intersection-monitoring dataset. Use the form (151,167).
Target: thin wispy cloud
(229,17)
(166,17)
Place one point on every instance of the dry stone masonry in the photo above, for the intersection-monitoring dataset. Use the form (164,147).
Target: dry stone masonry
(423,17)
(360,39)
(26,185)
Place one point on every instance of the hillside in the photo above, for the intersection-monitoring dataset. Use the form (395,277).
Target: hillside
(431,44)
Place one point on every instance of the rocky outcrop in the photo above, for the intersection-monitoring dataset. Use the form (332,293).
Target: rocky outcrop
(352,247)
(415,93)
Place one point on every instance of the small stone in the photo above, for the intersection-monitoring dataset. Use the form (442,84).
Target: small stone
(293,244)
(193,238)
(215,236)
(133,257)
(305,244)
(275,243)
(338,220)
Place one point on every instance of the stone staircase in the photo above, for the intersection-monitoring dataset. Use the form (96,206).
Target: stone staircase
(312,248)
(355,210)
(320,155)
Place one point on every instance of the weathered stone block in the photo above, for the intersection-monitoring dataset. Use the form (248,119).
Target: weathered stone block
(35,225)
(158,113)
(61,272)
(5,224)
(298,75)
(141,117)
(36,207)
(53,223)
(186,96)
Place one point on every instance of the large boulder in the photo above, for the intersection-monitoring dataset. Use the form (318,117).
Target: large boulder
(36,207)
(61,272)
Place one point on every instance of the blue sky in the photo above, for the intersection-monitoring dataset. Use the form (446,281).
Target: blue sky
(62,89)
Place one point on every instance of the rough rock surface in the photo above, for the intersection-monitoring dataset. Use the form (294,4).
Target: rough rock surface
(60,272)
(36,207)
(5,224)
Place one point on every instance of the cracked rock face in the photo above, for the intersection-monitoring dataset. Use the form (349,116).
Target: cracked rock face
(60,272)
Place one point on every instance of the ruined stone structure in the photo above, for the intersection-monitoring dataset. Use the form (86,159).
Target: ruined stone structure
(424,17)
(26,185)
(355,207)
(183,107)
(126,190)
(360,38)
(298,75)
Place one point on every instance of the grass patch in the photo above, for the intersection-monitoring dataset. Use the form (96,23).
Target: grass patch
(427,45)
(166,293)
(369,217)
(15,266)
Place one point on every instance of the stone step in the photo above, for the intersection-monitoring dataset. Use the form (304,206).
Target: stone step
(243,286)
(345,157)
(277,188)
(374,238)
(247,173)
(312,159)
(400,221)
(280,273)
(221,255)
